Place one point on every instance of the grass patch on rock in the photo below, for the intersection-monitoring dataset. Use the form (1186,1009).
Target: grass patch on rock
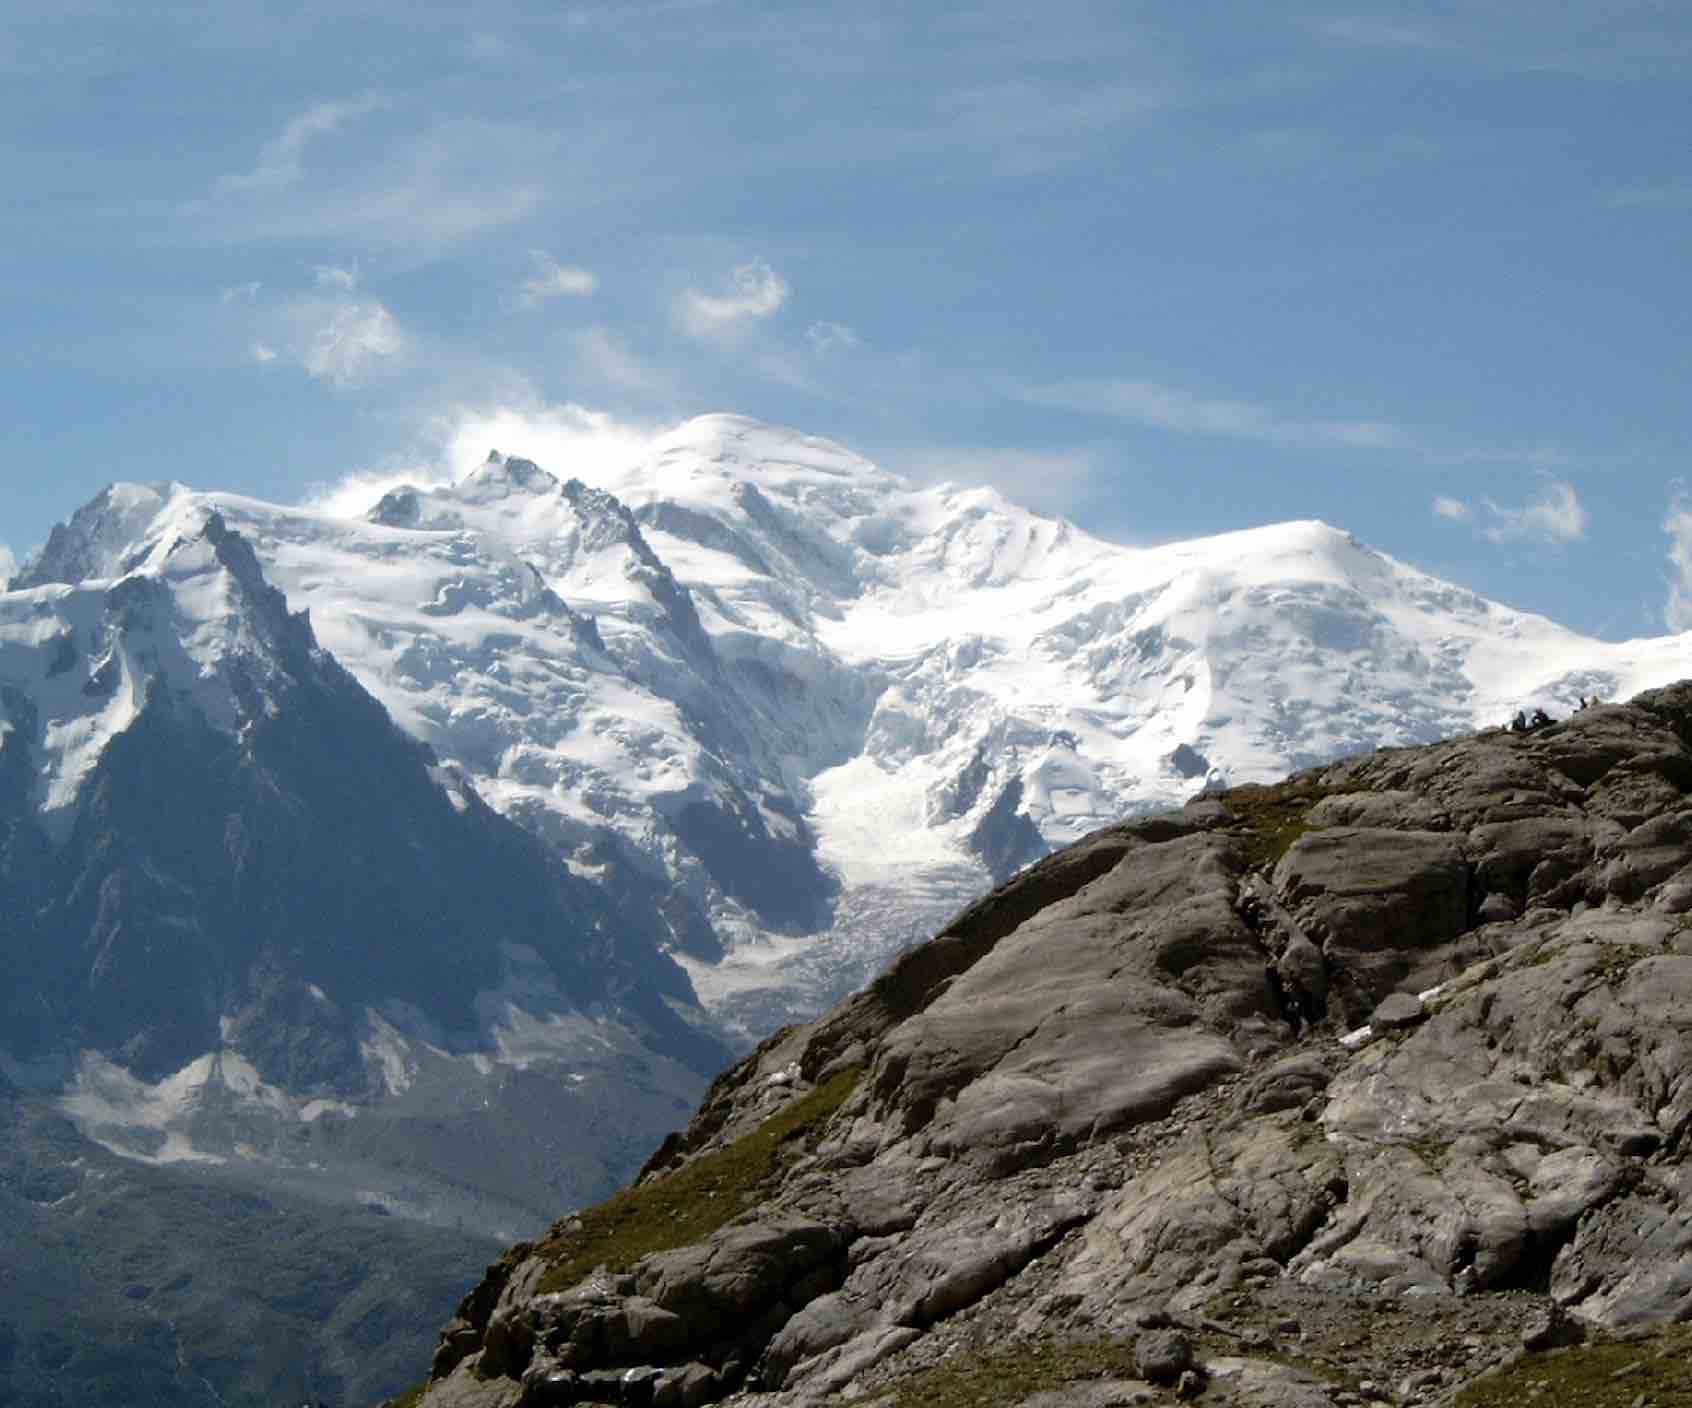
(1272,816)
(1656,1370)
(691,1203)
(1010,1375)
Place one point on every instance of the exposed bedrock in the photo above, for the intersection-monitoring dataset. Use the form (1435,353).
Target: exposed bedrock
(1414,1029)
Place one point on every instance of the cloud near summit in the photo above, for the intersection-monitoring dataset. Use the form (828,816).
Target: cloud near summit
(551,279)
(757,291)
(1556,516)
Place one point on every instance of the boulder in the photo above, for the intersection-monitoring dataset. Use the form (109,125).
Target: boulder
(1397,1012)
(1163,1356)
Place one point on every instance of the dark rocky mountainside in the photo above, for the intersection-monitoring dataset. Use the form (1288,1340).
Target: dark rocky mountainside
(1371,1085)
(214,875)
(295,1029)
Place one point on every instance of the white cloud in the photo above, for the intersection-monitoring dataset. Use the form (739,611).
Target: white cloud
(554,280)
(568,441)
(412,194)
(332,276)
(1171,408)
(8,563)
(1454,509)
(758,292)
(351,340)
(1677,613)
(832,337)
(280,161)
(331,334)
(356,493)
(1557,516)
(241,293)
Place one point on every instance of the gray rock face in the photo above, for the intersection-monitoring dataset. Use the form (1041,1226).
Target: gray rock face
(1374,899)
(1121,1098)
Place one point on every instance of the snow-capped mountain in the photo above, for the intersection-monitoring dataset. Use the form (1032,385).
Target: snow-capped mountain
(815,706)
(416,862)
(243,909)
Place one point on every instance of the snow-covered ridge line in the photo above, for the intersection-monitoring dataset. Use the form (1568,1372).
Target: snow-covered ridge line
(821,704)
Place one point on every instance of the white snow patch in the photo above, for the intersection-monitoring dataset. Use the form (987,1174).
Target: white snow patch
(387,1048)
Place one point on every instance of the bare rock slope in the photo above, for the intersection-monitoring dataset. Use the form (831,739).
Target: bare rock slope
(1355,1087)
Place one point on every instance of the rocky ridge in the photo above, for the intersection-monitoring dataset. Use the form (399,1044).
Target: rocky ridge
(1369,1085)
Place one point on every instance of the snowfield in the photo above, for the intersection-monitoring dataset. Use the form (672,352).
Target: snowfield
(819,704)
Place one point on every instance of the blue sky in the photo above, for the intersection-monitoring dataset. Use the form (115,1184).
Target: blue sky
(1168,269)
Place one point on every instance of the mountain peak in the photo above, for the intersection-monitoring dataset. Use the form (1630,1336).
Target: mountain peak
(107,537)
(502,476)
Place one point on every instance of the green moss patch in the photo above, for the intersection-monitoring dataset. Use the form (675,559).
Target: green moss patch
(1009,1375)
(1656,1371)
(693,1202)
(1272,816)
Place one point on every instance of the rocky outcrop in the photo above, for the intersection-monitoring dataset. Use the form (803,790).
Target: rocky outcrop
(1343,1089)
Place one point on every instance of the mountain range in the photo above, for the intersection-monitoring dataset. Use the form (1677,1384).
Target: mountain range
(429,863)
(811,707)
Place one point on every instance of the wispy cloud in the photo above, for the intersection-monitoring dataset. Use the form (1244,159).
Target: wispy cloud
(606,357)
(565,439)
(281,161)
(757,292)
(1455,509)
(1674,197)
(352,340)
(551,279)
(8,564)
(1032,125)
(1378,32)
(831,337)
(1555,516)
(332,333)
(1171,408)
(1677,612)
(1612,39)
(412,194)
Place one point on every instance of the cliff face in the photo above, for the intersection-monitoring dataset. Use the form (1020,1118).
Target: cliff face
(1346,1087)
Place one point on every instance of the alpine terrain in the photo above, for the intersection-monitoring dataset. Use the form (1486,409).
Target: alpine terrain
(373,888)
(1372,1085)
(808,708)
